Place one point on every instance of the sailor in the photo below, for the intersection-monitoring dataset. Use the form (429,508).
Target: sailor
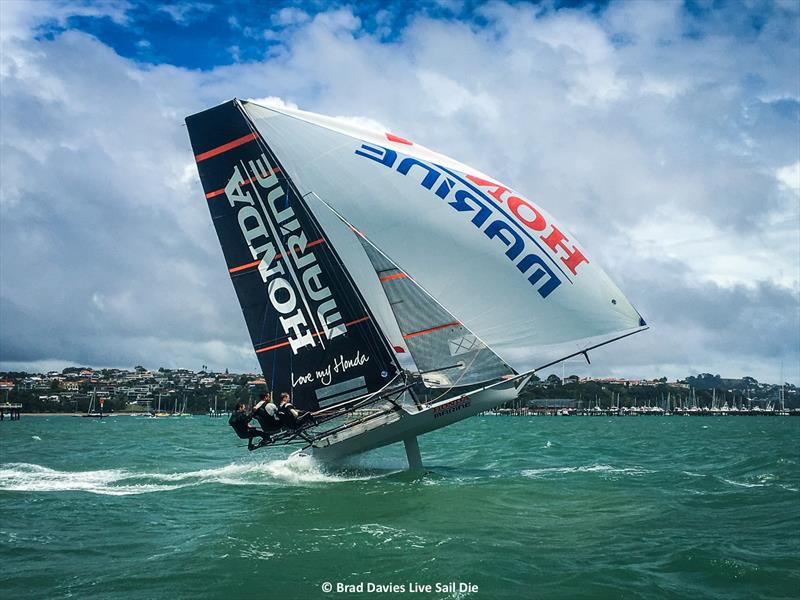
(240,421)
(290,417)
(287,413)
(266,413)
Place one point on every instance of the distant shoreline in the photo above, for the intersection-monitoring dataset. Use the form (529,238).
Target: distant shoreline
(65,414)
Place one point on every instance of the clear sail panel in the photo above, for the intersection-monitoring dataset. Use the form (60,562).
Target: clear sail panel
(446,353)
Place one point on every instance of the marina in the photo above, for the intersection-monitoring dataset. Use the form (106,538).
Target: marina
(642,411)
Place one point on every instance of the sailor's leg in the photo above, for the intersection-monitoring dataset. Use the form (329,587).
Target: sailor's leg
(412,453)
(251,433)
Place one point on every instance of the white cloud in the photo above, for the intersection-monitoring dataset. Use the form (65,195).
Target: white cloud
(789,176)
(289,15)
(274,102)
(186,12)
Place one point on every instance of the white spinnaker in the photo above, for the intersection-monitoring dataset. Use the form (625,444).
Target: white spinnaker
(468,272)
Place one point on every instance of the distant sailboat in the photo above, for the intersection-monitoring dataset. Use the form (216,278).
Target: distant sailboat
(389,289)
(159,413)
(92,411)
(183,412)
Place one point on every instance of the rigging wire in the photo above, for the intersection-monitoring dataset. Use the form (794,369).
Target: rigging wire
(460,377)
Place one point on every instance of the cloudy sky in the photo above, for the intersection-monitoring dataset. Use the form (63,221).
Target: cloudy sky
(666,136)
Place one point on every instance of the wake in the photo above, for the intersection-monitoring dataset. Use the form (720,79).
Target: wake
(291,471)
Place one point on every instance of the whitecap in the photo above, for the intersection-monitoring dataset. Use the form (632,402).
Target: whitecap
(293,470)
(25,477)
(606,469)
(742,484)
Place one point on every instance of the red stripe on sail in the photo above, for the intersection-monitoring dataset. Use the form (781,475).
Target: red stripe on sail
(266,348)
(395,276)
(243,267)
(215,193)
(315,334)
(431,330)
(396,138)
(255,263)
(225,147)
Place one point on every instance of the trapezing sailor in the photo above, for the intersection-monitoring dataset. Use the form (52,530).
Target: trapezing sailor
(240,422)
(266,413)
(278,424)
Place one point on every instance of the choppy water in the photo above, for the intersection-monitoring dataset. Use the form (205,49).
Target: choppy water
(521,507)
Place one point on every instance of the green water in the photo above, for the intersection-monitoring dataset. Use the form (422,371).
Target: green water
(649,507)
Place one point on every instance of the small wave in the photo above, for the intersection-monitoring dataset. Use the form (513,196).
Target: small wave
(24,477)
(742,483)
(294,470)
(36,437)
(605,469)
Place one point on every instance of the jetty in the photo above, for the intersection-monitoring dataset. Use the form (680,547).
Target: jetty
(12,410)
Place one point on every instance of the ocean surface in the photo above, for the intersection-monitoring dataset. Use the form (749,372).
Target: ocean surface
(521,507)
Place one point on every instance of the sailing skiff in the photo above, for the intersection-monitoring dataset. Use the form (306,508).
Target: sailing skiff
(390,289)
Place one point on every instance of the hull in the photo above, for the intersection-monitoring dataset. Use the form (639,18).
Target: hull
(401,426)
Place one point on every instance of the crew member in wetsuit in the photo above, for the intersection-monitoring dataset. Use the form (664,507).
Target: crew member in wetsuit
(266,413)
(240,421)
(287,413)
(289,416)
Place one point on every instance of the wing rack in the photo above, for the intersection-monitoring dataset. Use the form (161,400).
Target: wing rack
(306,435)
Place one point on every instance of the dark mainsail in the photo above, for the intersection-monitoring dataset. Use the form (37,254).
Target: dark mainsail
(312,331)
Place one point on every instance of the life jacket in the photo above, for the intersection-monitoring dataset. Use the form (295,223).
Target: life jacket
(286,415)
(267,416)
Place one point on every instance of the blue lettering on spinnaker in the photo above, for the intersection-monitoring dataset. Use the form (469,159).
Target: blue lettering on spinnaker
(519,248)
